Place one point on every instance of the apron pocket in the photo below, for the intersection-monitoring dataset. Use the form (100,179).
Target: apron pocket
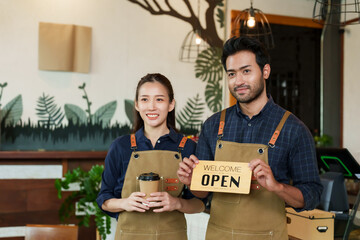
(218,233)
(175,235)
(256,235)
(122,235)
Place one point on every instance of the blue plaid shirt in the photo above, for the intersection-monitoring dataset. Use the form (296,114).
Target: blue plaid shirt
(118,157)
(292,159)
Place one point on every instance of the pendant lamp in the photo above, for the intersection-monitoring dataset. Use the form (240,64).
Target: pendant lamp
(193,44)
(253,23)
(337,12)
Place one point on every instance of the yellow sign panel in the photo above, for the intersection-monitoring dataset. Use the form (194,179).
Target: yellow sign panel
(218,176)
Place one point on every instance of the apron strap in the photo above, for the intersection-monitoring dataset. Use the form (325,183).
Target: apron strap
(182,144)
(278,129)
(133,142)
(221,124)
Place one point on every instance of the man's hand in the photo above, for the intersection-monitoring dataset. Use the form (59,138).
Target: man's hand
(264,175)
(186,169)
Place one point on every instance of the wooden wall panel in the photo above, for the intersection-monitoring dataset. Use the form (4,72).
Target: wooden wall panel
(12,201)
(34,201)
(13,238)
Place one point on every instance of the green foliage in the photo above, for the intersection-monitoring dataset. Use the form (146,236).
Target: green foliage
(85,96)
(85,198)
(129,110)
(105,113)
(48,112)
(190,116)
(2,86)
(75,114)
(208,65)
(29,136)
(220,17)
(323,140)
(213,96)
(11,113)
(102,115)
(209,68)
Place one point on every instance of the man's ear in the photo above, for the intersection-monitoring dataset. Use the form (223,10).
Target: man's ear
(266,71)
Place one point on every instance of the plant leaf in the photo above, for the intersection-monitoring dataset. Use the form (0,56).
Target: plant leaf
(208,65)
(75,114)
(190,115)
(105,113)
(12,111)
(213,96)
(48,112)
(220,17)
(129,110)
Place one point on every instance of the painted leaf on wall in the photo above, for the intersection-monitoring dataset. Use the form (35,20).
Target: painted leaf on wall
(75,114)
(129,110)
(220,17)
(12,111)
(208,65)
(105,113)
(213,96)
(191,115)
(50,115)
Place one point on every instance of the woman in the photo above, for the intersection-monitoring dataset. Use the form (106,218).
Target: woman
(155,147)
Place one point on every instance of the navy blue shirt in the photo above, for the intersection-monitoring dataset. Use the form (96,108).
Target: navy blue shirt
(118,157)
(292,159)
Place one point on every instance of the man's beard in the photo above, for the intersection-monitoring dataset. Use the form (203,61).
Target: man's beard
(253,95)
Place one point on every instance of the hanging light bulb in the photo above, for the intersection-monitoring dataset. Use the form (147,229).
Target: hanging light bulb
(198,39)
(251,20)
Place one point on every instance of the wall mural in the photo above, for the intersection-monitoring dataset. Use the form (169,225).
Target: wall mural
(208,66)
(91,129)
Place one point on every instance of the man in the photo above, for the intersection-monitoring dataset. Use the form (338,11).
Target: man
(278,147)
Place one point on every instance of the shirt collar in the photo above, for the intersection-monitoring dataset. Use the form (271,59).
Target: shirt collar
(140,136)
(270,104)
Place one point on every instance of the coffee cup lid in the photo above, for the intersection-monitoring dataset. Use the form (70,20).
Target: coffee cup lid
(149,176)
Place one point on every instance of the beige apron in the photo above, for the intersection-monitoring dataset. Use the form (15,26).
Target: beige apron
(150,225)
(259,215)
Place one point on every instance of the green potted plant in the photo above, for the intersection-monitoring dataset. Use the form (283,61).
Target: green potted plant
(84,198)
(322,140)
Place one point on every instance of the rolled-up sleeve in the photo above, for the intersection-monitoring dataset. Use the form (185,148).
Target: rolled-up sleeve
(110,185)
(304,169)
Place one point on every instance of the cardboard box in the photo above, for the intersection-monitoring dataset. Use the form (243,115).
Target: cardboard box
(310,225)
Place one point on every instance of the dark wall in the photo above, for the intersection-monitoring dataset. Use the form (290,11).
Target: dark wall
(294,82)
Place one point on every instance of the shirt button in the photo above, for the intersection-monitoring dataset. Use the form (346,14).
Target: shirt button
(249,124)
(158,141)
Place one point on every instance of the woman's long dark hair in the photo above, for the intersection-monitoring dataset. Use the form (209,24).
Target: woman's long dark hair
(155,77)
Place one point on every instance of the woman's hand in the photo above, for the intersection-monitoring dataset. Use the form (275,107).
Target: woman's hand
(165,201)
(135,203)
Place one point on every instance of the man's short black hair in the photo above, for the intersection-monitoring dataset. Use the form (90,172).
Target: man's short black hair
(237,44)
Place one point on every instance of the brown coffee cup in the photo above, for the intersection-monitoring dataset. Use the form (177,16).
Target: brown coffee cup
(149,183)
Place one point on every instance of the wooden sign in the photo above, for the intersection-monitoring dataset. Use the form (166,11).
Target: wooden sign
(218,176)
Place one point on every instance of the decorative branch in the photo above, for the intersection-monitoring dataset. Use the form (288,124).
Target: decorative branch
(209,34)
